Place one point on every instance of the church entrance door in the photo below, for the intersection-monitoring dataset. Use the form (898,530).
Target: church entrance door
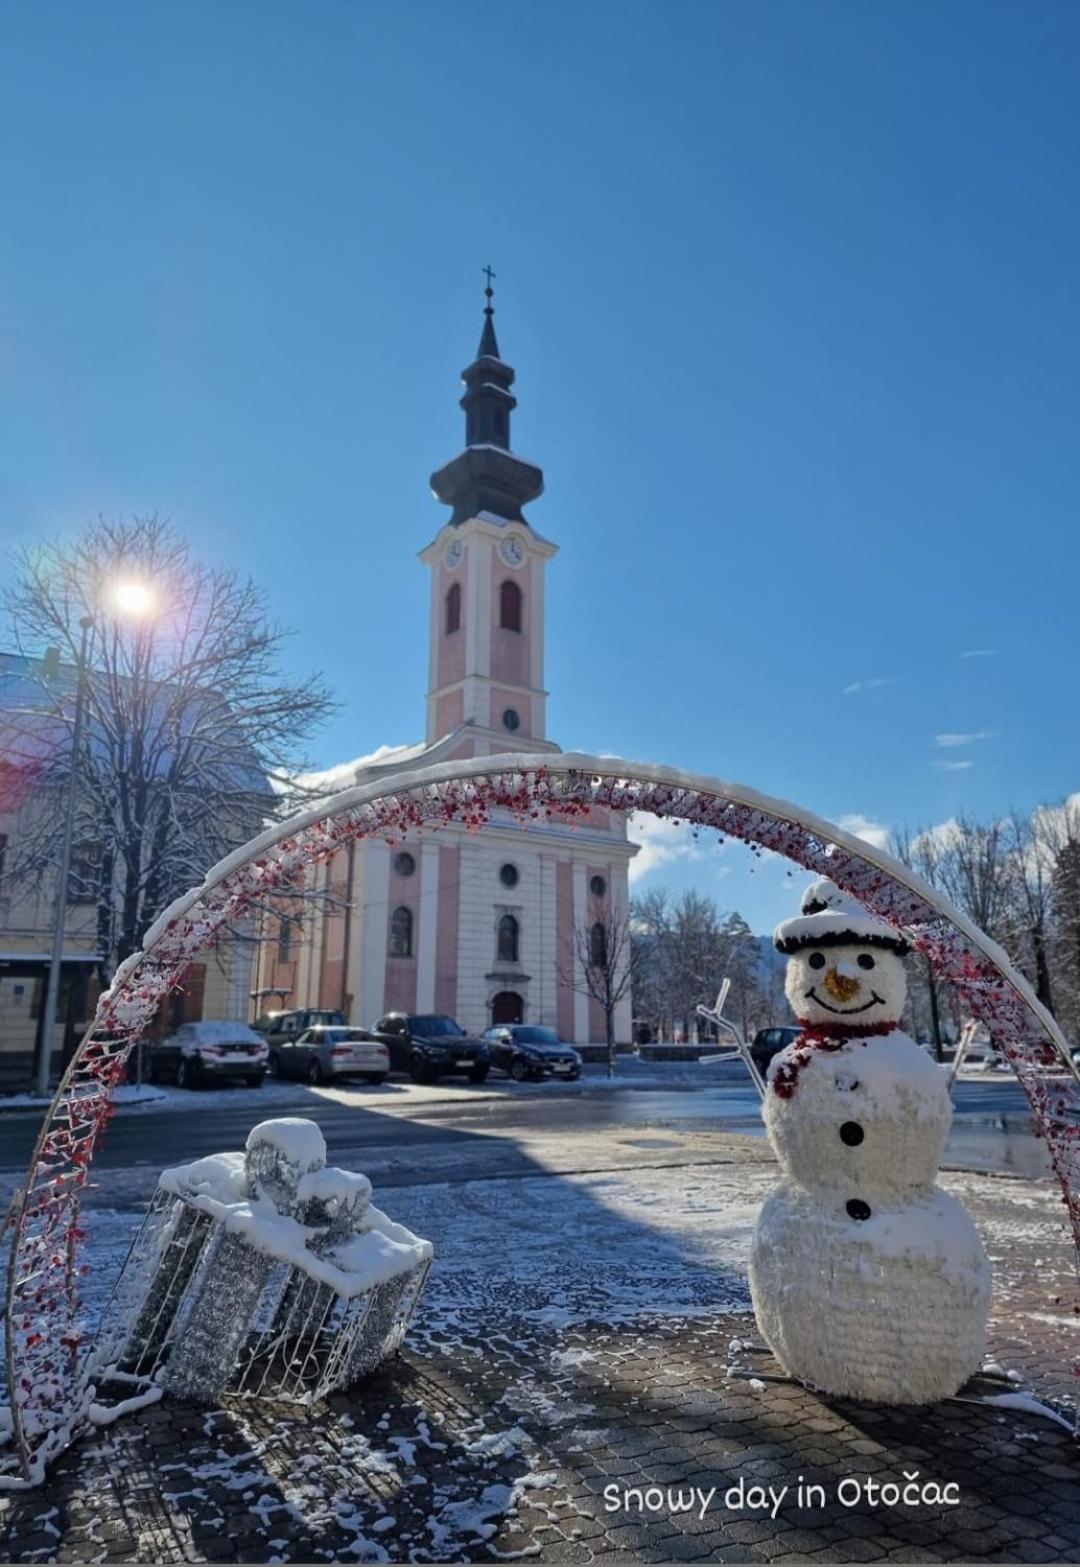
(507,1007)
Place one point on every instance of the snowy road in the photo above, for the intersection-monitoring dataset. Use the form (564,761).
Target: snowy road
(404,1135)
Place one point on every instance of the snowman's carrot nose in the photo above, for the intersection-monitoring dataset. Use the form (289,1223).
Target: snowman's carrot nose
(841,986)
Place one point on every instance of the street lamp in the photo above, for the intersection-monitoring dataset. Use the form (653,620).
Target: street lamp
(131,599)
(52,993)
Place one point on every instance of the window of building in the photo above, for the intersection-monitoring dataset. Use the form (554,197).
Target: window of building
(284,939)
(3,854)
(508,939)
(84,873)
(401,933)
(510,606)
(453,607)
(598,886)
(511,720)
(508,875)
(404,863)
(598,946)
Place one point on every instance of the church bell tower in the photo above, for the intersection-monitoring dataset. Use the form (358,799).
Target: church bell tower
(487,565)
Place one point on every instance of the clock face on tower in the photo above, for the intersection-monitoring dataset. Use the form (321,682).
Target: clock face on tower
(512,550)
(454,554)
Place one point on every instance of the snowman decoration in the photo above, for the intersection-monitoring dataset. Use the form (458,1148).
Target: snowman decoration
(868,1280)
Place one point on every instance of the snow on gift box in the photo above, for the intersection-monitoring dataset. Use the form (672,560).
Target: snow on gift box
(264,1274)
(868,1281)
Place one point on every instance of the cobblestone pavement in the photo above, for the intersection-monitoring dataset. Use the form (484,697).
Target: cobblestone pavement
(546,1410)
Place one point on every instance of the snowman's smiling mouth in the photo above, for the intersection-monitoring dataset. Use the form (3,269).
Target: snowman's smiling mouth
(875,1001)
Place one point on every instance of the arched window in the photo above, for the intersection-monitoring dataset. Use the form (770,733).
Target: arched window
(401,933)
(508,939)
(510,607)
(453,607)
(284,939)
(598,946)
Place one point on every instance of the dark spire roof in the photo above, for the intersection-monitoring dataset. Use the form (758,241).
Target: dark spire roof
(489,346)
(486,476)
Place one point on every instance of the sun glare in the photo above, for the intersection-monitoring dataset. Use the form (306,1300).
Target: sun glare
(134,598)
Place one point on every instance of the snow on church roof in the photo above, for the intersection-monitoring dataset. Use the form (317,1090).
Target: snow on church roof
(331,780)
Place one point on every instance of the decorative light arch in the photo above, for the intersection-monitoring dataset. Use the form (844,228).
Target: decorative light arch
(46,1354)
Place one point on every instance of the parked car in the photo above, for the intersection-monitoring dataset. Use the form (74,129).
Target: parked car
(279,1027)
(324,1053)
(768,1042)
(200,1053)
(429,1045)
(527,1051)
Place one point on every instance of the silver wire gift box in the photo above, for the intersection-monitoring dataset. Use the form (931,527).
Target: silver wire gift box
(263,1274)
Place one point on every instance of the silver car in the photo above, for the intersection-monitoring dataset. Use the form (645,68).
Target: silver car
(328,1052)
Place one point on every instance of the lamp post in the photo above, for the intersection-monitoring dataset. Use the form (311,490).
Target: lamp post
(52,993)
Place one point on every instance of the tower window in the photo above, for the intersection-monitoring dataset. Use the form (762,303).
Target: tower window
(401,933)
(284,939)
(510,607)
(511,720)
(508,874)
(598,946)
(404,863)
(453,607)
(508,939)
(597,886)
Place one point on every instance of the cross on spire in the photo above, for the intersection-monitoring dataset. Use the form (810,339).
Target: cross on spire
(489,347)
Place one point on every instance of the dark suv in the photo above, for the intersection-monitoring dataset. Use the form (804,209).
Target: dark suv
(429,1045)
(768,1042)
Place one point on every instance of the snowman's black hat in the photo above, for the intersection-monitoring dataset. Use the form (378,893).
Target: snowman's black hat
(830,918)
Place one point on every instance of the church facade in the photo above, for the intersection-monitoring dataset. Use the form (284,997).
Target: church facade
(486,927)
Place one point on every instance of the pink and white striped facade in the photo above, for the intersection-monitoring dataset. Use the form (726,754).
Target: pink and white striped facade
(485,696)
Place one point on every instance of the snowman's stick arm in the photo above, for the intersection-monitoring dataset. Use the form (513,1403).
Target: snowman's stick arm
(963,1045)
(715,1016)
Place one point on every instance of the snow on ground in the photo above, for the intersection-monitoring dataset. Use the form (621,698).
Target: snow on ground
(127,1096)
(536,1274)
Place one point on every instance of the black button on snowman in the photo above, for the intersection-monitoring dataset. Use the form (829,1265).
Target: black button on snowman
(868,1280)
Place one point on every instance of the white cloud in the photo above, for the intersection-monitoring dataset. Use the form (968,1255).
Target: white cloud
(952,767)
(662,841)
(941,837)
(965,739)
(979,652)
(866,828)
(874,684)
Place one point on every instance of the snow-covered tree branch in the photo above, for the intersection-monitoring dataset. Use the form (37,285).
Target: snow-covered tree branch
(191,729)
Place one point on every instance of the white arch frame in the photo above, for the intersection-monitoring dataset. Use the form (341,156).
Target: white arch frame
(45,1354)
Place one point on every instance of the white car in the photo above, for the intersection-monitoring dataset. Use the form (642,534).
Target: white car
(200,1053)
(329,1051)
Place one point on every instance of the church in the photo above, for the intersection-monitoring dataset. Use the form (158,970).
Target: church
(487,927)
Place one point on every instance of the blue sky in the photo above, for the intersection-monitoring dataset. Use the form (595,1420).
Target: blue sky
(791,293)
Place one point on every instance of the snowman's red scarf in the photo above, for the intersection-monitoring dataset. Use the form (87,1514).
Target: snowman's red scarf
(820,1036)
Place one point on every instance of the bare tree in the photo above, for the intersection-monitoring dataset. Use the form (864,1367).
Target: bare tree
(1031,858)
(685,949)
(921,852)
(651,934)
(188,720)
(603,965)
(1066,916)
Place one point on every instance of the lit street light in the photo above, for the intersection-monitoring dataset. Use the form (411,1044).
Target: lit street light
(52,993)
(130,599)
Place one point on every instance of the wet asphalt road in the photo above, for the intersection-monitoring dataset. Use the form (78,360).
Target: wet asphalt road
(991,1131)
